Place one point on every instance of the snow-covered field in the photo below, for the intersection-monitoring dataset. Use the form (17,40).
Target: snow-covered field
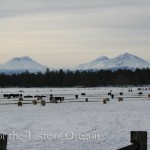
(74,124)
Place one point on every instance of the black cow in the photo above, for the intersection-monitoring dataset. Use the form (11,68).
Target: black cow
(51,97)
(109,94)
(28,96)
(86,100)
(112,96)
(83,94)
(76,96)
(121,94)
(59,99)
(140,93)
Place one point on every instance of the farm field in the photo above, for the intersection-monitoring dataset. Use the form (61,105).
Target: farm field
(74,124)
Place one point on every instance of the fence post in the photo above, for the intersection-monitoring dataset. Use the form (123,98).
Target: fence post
(3,142)
(139,138)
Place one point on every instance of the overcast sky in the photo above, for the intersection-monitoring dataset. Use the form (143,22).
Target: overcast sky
(63,33)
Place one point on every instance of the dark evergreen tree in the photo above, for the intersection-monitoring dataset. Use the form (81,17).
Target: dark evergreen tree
(77,78)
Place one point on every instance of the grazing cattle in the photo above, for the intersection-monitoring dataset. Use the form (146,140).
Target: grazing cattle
(121,94)
(76,96)
(149,95)
(43,96)
(130,90)
(104,101)
(120,99)
(109,94)
(112,96)
(8,96)
(36,96)
(15,95)
(83,94)
(51,100)
(39,97)
(19,103)
(59,99)
(86,100)
(34,102)
(28,96)
(51,97)
(20,95)
(43,103)
(5,95)
(140,93)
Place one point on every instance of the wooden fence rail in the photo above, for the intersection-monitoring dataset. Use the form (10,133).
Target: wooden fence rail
(3,142)
(138,140)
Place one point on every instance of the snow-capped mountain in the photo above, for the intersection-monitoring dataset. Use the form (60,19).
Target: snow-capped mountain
(124,61)
(98,63)
(19,64)
(128,61)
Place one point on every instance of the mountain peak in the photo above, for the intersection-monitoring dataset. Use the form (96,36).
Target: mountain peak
(99,62)
(126,60)
(26,58)
(127,56)
(102,58)
(23,63)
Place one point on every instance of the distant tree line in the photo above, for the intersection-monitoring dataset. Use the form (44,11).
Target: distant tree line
(77,78)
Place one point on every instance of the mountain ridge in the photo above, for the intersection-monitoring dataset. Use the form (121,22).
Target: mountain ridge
(123,61)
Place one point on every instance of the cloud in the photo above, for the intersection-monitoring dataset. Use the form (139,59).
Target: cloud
(20,7)
(74,27)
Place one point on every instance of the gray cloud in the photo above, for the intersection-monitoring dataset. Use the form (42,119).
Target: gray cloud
(19,7)
(75,27)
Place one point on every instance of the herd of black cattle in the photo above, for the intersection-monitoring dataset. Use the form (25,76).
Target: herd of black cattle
(34,102)
(56,99)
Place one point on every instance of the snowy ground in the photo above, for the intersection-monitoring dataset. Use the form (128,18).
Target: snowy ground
(74,124)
